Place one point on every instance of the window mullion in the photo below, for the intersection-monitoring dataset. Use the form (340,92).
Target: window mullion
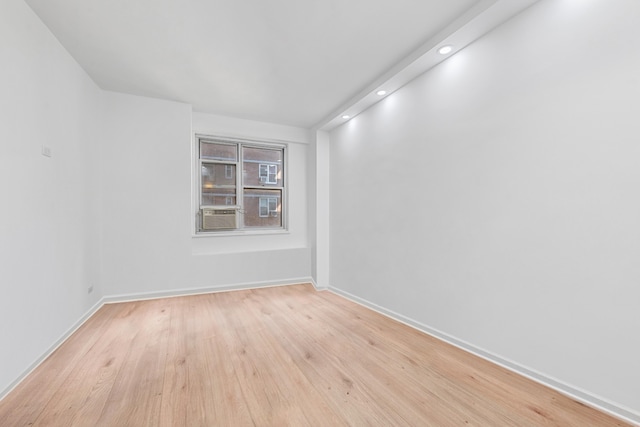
(240,187)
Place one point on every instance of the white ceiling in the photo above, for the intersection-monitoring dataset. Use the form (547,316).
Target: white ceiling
(295,62)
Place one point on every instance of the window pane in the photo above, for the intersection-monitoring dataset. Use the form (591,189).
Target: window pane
(262,208)
(214,151)
(218,184)
(262,166)
(218,196)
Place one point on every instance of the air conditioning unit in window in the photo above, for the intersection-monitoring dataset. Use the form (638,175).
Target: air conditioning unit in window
(219,219)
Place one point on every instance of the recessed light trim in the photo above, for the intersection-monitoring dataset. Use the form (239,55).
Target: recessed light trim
(381,92)
(446,49)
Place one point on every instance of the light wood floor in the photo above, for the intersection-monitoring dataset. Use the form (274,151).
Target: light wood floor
(273,357)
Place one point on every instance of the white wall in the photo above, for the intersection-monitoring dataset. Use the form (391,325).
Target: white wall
(145,194)
(319,212)
(49,242)
(496,199)
(148,218)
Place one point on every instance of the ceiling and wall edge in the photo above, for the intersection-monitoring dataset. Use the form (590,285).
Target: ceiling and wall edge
(473,24)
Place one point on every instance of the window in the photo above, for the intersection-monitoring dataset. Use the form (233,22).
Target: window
(268,173)
(268,207)
(243,179)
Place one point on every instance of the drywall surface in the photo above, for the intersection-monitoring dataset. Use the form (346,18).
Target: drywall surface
(495,198)
(319,213)
(145,193)
(49,240)
(148,242)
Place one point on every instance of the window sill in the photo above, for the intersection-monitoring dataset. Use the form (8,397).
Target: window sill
(232,233)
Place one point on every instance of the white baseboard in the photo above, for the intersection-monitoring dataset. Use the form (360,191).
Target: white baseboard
(52,348)
(204,290)
(315,285)
(576,393)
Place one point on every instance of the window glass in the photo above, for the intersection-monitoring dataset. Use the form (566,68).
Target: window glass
(218,184)
(262,208)
(262,167)
(216,151)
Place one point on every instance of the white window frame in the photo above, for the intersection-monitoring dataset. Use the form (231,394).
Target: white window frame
(272,180)
(270,204)
(268,173)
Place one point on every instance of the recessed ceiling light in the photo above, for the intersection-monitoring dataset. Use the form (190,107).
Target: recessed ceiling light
(445,49)
(381,92)
(346,116)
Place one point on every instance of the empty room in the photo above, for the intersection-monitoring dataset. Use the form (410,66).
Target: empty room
(320,212)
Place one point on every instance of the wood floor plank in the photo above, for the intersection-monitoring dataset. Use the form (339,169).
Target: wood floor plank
(518,400)
(508,398)
(314,353)
(200,388)
(300,394)
(273,357)
(401,369)
(269,400)
(136,394)
(389,396)
(80,400)
(25,404)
